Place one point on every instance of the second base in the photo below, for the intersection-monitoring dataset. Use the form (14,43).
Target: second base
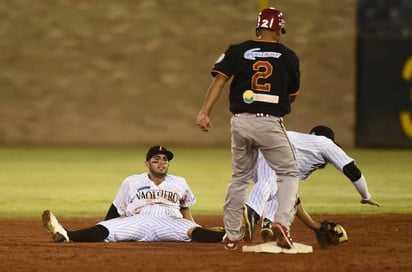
(272,247)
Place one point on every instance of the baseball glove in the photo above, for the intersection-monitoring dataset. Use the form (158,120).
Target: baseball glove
(330,234)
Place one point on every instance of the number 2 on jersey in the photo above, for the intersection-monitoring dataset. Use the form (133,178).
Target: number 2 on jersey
(263,70)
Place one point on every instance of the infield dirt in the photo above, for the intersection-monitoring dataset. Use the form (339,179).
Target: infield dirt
(376,243)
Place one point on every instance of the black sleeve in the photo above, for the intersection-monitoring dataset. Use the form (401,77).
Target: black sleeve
(352,171)
(112,213)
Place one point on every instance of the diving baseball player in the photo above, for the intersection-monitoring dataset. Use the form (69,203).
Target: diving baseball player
(152,206)
(313,151)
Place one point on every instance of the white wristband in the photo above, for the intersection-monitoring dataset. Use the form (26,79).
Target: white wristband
(362,188)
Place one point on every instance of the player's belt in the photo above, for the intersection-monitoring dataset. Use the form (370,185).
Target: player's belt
(258,114)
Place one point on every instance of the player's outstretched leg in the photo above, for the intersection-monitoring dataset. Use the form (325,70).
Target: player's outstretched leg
(202,235)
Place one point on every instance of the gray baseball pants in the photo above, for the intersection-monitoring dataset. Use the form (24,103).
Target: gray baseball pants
(250,133)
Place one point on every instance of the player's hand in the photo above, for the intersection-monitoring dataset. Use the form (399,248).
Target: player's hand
(370,202)
(203,121)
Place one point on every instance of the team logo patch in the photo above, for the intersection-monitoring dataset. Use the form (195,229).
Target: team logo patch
(248,96)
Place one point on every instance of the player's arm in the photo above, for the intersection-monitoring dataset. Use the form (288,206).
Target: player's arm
(187,214)
(293,96)
(327,233)
(212,95)
(294,83)
(337,156)
(112,213)
(121,197)
(304,216)
(352,172)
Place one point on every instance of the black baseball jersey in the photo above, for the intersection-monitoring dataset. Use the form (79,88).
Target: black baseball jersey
(264,75)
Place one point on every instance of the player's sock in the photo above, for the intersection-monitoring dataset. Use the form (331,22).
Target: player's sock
(94,234)
(207,236)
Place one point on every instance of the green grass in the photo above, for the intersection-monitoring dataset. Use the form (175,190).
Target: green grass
(82,182)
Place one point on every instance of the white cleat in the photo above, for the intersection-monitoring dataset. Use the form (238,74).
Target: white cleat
(59,234)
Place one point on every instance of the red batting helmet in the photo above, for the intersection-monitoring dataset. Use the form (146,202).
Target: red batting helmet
(271,18)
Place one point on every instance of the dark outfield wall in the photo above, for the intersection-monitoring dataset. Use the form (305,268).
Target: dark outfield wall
(135,72)
(384,105)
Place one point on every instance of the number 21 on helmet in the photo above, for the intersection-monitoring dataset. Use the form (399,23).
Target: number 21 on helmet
(272,19)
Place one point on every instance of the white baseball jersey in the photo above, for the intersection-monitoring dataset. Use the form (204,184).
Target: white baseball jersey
(312,152)
(150,212)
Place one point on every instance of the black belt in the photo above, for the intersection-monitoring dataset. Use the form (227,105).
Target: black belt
(258,114)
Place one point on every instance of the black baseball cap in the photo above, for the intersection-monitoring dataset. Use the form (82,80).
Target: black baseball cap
(324,131)
(159,150)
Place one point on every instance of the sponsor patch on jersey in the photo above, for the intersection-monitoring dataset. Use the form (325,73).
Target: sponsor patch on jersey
(249,97)
(254,53)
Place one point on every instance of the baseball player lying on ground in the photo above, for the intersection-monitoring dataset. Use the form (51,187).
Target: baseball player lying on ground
(152,206)
(313,151)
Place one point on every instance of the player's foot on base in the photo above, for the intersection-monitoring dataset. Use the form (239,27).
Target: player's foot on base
(59,234)
(283,238)
(266,231)
(229,244)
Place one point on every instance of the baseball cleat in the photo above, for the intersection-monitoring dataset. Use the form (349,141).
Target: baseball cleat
(59,234)
(250,218)
(266,232)
(283,238)
(229,244)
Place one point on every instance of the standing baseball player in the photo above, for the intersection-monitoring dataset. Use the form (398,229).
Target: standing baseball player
(152,206)
(313,151)
(266,80)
